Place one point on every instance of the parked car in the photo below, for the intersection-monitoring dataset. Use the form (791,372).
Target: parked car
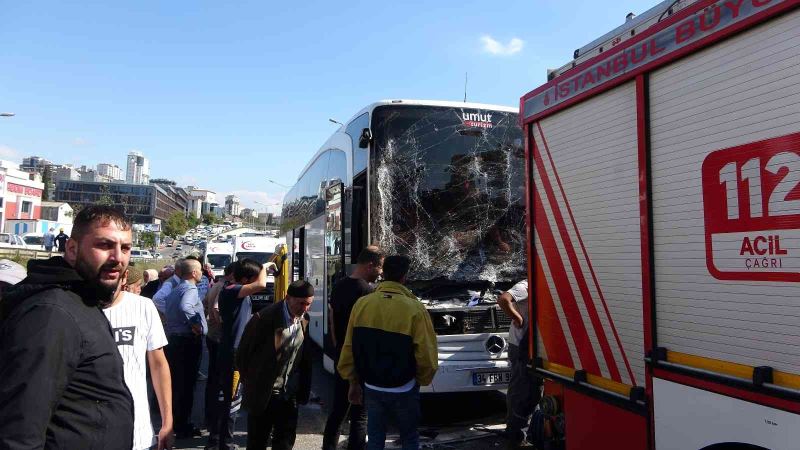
(10,240)
(141,254)
(34,241)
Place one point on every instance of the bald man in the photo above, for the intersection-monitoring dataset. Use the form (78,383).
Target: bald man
(186,326)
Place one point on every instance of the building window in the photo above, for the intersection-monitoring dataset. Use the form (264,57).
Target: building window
(26,207)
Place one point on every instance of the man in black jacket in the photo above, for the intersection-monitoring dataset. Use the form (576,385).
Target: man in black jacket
(62,378)
(275,368)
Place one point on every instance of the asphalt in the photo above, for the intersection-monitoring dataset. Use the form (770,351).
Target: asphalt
(466,421)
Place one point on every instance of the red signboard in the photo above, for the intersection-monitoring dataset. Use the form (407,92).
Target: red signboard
(751,198)
(25,190)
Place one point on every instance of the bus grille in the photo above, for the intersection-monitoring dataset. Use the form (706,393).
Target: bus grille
(469,320)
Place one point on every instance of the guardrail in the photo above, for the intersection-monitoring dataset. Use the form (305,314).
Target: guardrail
(10,252)
(23,253)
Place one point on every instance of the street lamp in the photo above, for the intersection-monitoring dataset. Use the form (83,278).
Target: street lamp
(278,184)
(266,210)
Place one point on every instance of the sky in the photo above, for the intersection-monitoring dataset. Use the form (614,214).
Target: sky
(228,95)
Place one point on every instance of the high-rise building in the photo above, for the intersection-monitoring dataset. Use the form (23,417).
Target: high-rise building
(33,164)
(232,205)
(112,171)
(138,168)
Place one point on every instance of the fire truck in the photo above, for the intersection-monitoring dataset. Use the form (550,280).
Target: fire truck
(663,199)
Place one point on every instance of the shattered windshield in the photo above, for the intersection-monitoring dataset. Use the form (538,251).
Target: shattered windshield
(447,189)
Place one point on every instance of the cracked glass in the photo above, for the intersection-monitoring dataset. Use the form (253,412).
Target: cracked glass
(447,189)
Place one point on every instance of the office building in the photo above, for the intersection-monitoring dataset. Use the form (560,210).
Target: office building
(112,171)
(143,203)
(232,205)
(138,170)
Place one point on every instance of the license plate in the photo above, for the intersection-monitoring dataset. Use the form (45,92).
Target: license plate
(490,378)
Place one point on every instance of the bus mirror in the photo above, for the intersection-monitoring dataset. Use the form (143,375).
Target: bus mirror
(366,137)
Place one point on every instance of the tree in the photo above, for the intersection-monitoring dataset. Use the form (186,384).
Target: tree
(193,221)
(162,181)
(105,197)
(47,180)
(211,219)
(147,239)
(176,225)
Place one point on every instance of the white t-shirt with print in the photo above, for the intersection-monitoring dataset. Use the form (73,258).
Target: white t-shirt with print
(137,330)
(519,292)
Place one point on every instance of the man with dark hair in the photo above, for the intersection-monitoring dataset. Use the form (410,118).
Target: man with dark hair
(235,310)
(390,347)
(213,386)
(276,368)
(62,376)
(186,326)
(344,295)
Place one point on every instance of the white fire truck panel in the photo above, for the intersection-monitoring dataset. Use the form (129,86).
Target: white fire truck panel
(725,158)
(588,240)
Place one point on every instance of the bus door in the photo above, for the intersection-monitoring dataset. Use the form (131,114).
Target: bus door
(334,251)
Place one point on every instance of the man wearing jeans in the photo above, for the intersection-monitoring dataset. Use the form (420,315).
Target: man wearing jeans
(390,347)
(524,390)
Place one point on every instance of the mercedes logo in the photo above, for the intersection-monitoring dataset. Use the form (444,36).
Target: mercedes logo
(495,345)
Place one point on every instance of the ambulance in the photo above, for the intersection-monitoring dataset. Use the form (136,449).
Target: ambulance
(663,193)
(218,255)
(261,249)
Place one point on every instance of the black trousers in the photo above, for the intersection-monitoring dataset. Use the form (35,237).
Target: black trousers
(183,354)
(279,419)
(221,431)
(212,386)
(358,419)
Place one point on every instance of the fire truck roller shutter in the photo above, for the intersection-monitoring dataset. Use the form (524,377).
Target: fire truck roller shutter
(587,237)
(725,157)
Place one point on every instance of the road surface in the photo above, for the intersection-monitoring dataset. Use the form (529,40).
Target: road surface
(448,420)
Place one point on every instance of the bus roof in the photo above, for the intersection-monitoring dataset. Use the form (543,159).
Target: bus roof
(327,145)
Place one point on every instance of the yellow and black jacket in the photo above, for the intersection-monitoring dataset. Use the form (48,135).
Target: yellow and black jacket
(390,339)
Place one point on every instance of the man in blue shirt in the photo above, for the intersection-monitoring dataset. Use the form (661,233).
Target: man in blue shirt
(49,240)
(160,297)
(186,326)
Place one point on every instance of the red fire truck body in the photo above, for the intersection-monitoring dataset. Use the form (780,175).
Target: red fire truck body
(663,180)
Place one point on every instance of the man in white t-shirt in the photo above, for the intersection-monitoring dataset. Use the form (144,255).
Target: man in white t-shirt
(524,389)
(140,340)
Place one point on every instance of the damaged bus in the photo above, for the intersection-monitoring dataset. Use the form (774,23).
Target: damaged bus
(440,182)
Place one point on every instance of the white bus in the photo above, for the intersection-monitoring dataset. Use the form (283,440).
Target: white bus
(440,182)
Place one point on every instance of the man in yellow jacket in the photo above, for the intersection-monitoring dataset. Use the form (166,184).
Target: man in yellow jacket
(390,348)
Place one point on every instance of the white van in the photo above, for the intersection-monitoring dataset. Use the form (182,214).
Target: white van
(261,249)
(218,255)
(141,254)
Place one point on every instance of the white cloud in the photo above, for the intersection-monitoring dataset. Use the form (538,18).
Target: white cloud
(494,47)
(80,142)
(249,199)
(10,153)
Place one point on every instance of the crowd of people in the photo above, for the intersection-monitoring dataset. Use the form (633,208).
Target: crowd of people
(88,342)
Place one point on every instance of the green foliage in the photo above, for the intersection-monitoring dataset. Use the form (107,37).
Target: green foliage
(105,197)
(176,225)
(147,239)
(211,219)
(162,181)
(193,221)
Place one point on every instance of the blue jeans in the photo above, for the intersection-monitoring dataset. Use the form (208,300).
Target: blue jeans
(402,409)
